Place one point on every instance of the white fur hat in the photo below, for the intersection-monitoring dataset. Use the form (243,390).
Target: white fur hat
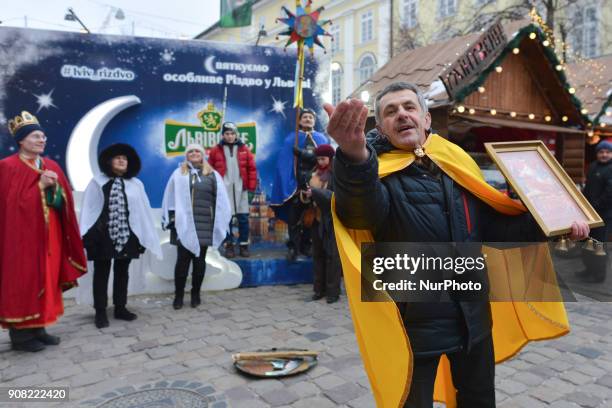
(195,146)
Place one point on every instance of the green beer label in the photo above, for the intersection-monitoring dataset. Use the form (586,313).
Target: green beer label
(178,135)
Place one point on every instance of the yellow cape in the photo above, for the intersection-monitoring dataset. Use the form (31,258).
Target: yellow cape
(382,339)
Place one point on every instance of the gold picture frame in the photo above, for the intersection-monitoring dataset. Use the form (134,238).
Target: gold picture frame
(543,185)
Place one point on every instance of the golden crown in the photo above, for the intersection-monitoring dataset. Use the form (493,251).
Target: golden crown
(26,118)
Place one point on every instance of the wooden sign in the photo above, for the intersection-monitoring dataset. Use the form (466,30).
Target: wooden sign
(480,54)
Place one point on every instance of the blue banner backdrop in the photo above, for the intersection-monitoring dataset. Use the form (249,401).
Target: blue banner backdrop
(184,87)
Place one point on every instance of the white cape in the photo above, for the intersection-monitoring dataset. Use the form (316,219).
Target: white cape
(141,223)
(177,198)
(140,212)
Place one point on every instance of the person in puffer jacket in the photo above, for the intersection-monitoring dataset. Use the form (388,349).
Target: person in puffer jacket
(196,210)
(420,203)
(236,164)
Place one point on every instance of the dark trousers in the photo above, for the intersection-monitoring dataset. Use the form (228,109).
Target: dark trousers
(120,282)
(243,229)
(326,267)
(299,237)
(473,376)
(598,265)
(183,259)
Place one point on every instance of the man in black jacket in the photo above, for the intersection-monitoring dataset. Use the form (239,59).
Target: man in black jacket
(598,190)
(422,204)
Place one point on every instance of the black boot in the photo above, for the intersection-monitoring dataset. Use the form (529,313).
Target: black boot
(101,318)
(122,313)
(179,292)
(45,338)
(196,287)
(25,340)
(31,346)
(229,250)
(291,254)
(332,299)
(244,250)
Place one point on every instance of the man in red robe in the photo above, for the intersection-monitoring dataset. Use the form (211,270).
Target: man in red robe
(41,253)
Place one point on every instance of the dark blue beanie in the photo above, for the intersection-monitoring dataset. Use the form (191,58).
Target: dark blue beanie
(605,144)
(25,131)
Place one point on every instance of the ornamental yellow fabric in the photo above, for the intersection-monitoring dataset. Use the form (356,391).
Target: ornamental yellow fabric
(381,336)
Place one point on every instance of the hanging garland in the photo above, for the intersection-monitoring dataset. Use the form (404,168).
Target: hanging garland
(602,112)
(512,44)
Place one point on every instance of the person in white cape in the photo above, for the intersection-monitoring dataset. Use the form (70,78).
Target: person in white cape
(197,211)
(117,225)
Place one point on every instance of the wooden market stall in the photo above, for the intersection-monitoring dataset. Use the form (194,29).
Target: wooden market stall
(504,84)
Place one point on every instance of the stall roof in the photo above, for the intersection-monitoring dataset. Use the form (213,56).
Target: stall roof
(593,81)
(424,65)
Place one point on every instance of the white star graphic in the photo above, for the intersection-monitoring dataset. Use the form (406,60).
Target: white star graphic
(167,56)
(268,52)
(44,101)
(278,106)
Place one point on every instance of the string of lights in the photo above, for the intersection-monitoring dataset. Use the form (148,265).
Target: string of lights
(540,31)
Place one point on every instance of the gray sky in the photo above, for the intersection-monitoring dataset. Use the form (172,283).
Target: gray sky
(151,18)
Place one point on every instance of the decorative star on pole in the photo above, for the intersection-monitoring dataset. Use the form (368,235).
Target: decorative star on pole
(303,26)
(303,29)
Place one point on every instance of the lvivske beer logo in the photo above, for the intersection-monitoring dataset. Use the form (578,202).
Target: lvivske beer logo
(207,133)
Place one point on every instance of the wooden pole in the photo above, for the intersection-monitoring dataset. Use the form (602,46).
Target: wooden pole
(298,105)
(273,354)
(391,30)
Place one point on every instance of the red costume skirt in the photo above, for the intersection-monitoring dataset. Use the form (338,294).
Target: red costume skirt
(50,298)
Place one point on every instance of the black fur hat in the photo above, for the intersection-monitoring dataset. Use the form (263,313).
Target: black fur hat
(117,149)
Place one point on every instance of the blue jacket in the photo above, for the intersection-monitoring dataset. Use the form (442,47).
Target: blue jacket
(285,183)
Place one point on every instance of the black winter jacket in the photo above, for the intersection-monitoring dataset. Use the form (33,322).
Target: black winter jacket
(97,240)
(422,204)
(598,188)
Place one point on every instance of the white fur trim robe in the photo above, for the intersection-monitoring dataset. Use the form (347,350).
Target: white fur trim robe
(140,213)
(177,198)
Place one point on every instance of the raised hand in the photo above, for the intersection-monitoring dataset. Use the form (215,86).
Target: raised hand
(346,126)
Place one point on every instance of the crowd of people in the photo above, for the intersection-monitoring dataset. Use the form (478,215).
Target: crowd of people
(115,226)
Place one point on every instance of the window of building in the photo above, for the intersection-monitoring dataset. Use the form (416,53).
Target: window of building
(335,33)
(409,13)
(367,66)
(367,26)
(585,35)
(336,78)
(447,8)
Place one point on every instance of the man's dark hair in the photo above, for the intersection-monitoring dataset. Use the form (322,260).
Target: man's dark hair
(396,87)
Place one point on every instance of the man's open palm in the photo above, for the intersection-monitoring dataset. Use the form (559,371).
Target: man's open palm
(347,125)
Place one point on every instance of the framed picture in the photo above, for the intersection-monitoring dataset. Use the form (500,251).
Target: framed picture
(544,187)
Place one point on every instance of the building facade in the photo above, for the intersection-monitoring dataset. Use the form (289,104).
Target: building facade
(365,39)
(360,30)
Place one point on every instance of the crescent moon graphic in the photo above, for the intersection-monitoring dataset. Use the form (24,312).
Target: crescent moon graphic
(208,64)
(82,150)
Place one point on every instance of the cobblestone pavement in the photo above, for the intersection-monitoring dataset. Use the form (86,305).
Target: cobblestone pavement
(192,348)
